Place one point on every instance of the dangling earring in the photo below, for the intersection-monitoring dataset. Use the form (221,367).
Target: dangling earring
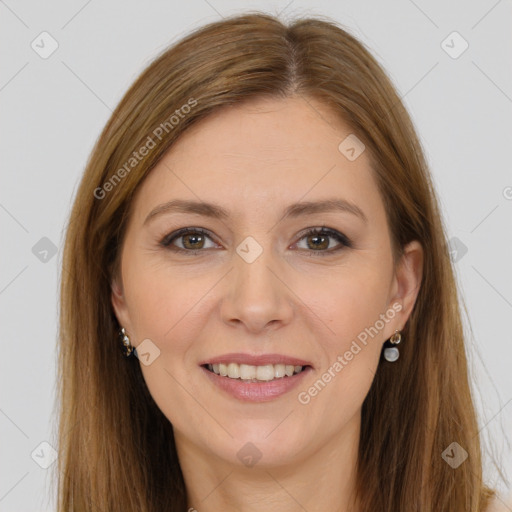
(127,346)
(391,354)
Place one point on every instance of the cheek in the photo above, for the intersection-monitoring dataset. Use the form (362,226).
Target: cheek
(354,306)
(355,312)
(163,299)
(170,309)
(352,352)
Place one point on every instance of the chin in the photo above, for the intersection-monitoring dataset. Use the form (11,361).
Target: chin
(265,445)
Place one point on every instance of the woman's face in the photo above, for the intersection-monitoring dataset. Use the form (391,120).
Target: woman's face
(254,289)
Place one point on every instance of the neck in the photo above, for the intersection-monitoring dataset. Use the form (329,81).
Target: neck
(323,480)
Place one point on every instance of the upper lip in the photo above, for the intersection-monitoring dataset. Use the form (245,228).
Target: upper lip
(256,360)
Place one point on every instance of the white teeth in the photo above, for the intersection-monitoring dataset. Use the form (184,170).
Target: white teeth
(279,370)
(265,372)
(233,371)
(249,372)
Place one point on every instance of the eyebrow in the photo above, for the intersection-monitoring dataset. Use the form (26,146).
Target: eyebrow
(292,211)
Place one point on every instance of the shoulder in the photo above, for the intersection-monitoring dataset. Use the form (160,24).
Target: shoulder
(500,504)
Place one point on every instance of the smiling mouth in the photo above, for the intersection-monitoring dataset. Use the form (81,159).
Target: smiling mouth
(250,373)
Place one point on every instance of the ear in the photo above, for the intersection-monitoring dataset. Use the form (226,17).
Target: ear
(406,283)
(119,304)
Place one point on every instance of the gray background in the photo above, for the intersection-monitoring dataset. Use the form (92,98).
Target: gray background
(54,108)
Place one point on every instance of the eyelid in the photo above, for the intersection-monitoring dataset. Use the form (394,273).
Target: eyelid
(342,239)
(170,237)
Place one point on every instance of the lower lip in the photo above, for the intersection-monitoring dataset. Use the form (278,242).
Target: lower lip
(256,391)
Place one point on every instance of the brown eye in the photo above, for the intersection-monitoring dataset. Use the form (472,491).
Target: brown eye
(188,240)
(193,241)
(319,240)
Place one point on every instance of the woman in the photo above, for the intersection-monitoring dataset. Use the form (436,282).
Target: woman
(257,230)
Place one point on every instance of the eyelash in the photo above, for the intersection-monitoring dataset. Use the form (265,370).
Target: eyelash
(339,237)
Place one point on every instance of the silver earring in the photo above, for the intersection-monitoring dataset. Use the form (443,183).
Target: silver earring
(127,346)
(391,354)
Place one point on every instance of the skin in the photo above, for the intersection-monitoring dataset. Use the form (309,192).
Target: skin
(255,159)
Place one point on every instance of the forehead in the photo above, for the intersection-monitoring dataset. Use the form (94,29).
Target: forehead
(266,129)
(260,154)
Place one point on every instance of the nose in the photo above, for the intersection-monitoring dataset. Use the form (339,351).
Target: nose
(257,295)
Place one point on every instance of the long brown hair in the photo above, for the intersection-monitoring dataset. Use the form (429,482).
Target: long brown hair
(116,448)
